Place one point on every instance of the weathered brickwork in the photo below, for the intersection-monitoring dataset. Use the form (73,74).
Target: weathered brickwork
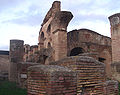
(51,80)
(53,32)
(73,63)
(90,73)
(16,55)
(87,41)
(115,36)
(111,87)
(22,73)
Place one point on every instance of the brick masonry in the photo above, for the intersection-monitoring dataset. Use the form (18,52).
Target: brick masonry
(111,87)
(90,73)
(22,73)
(51,80)
(115,36)
(15,55)
(90,42)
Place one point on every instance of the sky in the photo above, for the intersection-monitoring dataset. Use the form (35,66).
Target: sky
(22,19)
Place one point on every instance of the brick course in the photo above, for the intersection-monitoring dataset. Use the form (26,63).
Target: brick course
(51,80)
(90,73)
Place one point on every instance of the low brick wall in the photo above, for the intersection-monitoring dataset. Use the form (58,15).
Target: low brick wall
(22,73)
(90,74)
(51,80)
(111,87)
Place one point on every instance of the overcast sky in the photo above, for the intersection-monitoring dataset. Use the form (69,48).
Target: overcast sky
(21,19)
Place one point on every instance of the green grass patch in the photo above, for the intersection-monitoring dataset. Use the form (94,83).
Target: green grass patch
(119,88)
(10,88)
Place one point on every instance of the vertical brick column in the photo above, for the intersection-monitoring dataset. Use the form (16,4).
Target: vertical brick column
(51,80)
(16,56)
(115,36)
(59,33)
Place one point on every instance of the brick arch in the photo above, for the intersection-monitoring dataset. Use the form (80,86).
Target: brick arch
(76,51)
(75,45)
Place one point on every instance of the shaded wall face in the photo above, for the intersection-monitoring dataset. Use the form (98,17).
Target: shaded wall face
(115,35)
(4,63)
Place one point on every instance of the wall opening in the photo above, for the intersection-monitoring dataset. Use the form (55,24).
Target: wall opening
(76,51)
(49,45)
(42,35)
(49,28)
(101,59)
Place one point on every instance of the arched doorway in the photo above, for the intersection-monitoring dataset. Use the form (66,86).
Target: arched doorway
(76,51)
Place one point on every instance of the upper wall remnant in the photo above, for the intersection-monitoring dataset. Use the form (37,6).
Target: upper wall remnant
(114,19)
(53,32)
(55,7)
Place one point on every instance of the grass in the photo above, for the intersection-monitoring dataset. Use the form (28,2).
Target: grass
(10,88)
(119,88)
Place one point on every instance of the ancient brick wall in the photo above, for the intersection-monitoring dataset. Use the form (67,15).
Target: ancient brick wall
(111,87)
(87,41)
(16,55)
(115,36)
(90,74)
(22,73)
(53,32)
(51,80)
(59,29)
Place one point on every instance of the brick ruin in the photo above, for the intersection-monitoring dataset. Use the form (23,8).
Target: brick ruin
(66,63)
(115,28)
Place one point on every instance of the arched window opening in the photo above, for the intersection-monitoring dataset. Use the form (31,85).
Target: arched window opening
(101,59)
(76,51)
(49,28)
(42,35)
(49,45)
